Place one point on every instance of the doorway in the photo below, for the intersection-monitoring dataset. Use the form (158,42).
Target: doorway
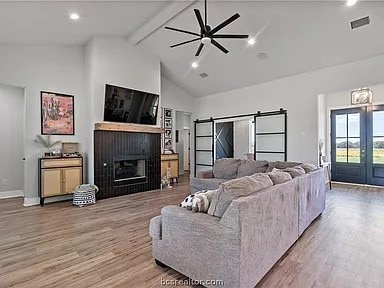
(357,145)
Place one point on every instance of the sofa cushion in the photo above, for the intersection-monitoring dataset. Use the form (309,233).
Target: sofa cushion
(309,167)
(198,184)
(226,168)
(281,165)
(279,177)
(295,171)
(250,167)
(236,188)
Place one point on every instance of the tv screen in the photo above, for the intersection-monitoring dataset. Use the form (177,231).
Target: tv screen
(130,106)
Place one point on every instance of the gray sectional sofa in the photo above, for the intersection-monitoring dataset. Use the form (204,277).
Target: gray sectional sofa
(252,234)
(230,168)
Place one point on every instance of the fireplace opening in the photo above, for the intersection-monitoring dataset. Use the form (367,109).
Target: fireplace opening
(130,170)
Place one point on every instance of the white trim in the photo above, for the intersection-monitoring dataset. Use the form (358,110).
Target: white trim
(31,201)
(36,200)
(11,194)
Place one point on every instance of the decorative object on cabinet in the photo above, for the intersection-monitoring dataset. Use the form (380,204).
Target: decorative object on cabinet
(170,161)
(59,176)
(48,144)
(57,114)
(70,149)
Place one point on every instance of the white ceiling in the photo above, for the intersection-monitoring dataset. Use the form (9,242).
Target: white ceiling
(298,36)
(43,22)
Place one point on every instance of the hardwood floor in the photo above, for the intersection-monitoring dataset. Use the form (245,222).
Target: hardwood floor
(107,245)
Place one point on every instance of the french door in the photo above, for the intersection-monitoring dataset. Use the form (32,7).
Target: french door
(357,136)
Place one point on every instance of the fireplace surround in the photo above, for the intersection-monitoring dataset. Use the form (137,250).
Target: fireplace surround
(126,162)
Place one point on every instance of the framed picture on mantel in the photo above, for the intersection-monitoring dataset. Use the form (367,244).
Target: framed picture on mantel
(57,114)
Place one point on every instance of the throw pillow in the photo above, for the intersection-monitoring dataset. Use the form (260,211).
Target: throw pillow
(279,177)
(201,201)
(295,171)
(249,167)
(309,167)
(226,168)
(233,189)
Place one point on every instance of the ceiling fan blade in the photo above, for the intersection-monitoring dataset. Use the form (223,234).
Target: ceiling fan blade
(200,20)
(229,36)
(225,23)
(186,42)
(218,45)
(182,31)
(199,50)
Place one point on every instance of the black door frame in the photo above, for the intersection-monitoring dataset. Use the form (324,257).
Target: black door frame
(349,171)
(369,172)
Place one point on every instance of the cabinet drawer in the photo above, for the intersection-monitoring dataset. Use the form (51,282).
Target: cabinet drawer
(52,163)
(165,157)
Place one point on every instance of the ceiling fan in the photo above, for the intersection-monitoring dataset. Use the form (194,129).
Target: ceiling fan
(208,35)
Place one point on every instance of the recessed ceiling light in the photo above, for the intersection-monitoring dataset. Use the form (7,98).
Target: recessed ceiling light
(194,64)
(74,16)
(351,2)
(251,41)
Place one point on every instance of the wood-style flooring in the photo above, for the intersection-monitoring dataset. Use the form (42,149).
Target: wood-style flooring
(107,245)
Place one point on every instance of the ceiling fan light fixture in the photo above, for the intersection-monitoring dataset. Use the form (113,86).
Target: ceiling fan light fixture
(205,40)
(194,65)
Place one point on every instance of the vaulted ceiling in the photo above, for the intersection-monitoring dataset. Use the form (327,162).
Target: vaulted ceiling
(297,36)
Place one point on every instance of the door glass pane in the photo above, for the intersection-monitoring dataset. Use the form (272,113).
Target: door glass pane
(378,150)
(378,123)
(354,125)
(354,150)
(341,150)
(341,125)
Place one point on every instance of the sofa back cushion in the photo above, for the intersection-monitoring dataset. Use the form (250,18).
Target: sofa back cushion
(250,167)
(226,168)
(295,171)
(279,177)
(309,167)
(281,165)
(233,189)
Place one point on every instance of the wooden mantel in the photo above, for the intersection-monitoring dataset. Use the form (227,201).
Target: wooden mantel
(128,127)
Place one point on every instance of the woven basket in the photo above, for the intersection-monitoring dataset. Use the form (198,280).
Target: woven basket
(85,195)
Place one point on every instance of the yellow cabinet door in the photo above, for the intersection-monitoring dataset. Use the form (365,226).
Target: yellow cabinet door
(50,182)
(174,164)
(71,178)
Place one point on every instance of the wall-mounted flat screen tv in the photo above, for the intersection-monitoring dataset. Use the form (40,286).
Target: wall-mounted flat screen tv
(130,106)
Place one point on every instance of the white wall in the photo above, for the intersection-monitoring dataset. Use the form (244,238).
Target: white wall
(37,68)
(297,94)
(241,138)
(12,140)
(115,61)
(174,97)
(342,100)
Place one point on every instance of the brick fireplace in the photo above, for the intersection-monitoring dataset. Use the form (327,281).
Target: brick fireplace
(126,158)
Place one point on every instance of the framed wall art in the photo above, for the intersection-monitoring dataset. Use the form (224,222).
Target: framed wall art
(57,114)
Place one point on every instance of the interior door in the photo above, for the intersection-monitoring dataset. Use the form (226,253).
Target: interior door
(224,140)
(348,136)
(375,145)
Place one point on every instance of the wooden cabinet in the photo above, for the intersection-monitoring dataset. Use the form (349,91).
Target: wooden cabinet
(59,176)
(170,161)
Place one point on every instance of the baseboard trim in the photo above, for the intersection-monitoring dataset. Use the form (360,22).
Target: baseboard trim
(36,200)
(11,194)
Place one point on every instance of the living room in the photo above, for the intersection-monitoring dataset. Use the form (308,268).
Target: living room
(299,62)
